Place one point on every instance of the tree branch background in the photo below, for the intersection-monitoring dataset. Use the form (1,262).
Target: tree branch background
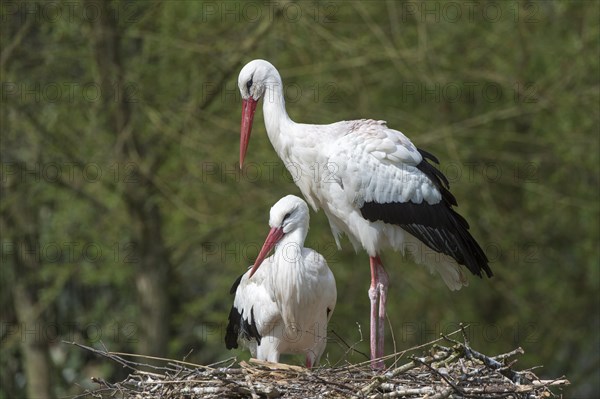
(125,218)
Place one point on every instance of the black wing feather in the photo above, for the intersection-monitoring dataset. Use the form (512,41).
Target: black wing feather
(233,329)
(428,155)
(236,283)
(240,326)
(437,177)
(438,226)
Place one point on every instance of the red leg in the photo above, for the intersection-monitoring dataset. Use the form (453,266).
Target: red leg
(377,291)
(373,294)
(383,288)
(308,363)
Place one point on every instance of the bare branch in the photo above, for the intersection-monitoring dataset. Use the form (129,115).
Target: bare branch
(435,371)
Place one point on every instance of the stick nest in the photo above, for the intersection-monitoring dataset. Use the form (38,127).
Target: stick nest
(444,368)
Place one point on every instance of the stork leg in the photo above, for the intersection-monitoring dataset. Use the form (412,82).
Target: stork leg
(377,293)
(309,362)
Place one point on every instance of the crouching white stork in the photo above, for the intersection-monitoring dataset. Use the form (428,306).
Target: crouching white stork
(283,303)
(372,183)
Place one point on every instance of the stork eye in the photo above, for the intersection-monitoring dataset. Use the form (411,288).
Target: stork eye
(249,84)
(287,215)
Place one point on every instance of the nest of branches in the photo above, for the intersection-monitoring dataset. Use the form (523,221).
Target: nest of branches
(444,368)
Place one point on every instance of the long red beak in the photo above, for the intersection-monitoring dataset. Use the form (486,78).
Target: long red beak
(248,108)
(275,234)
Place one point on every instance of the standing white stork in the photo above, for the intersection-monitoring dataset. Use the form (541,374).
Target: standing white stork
(372,183)
(283,304)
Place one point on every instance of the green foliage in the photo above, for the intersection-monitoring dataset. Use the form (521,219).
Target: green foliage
(509,105)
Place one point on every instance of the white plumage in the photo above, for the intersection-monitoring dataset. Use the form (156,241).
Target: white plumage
(283,303)
(372,183)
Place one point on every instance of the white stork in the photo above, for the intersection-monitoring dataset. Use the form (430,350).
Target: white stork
(283,303)
(373,184)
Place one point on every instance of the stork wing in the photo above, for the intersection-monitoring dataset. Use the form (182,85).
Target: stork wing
(253,311)
(390,180)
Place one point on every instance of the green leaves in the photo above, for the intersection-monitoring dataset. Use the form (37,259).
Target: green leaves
(507,103)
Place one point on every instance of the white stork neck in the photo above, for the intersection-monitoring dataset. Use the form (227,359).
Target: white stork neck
(289,249)
(275,115)
(288,276)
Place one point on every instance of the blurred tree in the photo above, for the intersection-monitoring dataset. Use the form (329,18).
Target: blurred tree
(119,125)
(21,220)
(139,193)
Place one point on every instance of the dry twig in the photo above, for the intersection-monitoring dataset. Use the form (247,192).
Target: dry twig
(434,371)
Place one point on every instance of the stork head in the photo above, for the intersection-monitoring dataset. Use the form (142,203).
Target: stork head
(289,214)
(252,83)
